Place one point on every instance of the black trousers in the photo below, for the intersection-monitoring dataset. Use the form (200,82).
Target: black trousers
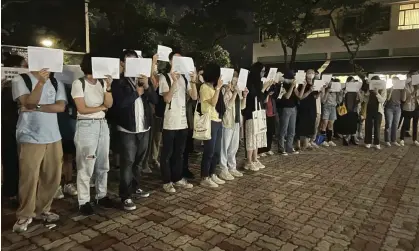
(373,122)
(171,159)
(271,125)
(133,151)
(188,150)
(212,150)
(10,161)
(408,116)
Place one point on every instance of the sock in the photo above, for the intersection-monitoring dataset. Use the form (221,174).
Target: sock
(329,134)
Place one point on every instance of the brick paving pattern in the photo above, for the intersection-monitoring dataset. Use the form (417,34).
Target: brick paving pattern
(335,199)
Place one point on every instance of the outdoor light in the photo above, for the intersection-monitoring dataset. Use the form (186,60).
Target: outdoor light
(47,42)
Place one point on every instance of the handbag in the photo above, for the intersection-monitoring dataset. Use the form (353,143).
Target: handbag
(342,110)
(259,119)
(202,125)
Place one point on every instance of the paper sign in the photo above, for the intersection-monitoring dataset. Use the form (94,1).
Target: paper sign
(139,53)
(272,73)
(45,58)
(134,67)
(163,52)
(279,77)
(370,76)
(69,74)
(327,78)
(300,77)
(263,80)
(9,73)
(227,75)
(377,85)
(242,80)
(318,84)
(336,87)
(353,86)
(415,79)
(105,66)
(183,65)
(399,84)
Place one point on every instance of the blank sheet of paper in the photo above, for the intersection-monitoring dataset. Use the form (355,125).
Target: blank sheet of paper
(227,75)
(105,66)
(163,52)
(183,65)
(242,80)
(134,67)
(45,58)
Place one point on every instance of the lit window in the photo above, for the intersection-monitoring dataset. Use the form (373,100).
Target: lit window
(319,33)
(409,16)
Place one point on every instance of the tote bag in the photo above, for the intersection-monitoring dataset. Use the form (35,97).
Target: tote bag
(259,119)
(202,125)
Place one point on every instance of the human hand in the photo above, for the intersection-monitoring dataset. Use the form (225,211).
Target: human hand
(175,76)
(43,75)
(108,81)
(219,83)
(193,76)
(143,81)
(245,92)
(140,90)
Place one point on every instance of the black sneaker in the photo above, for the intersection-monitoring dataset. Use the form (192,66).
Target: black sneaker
(187,174)
(129,205)
(105,202)
(86,209)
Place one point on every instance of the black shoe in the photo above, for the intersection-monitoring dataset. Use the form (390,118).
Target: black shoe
(86,209)
(345,142)
(105,202)
(353,141)
(187,174)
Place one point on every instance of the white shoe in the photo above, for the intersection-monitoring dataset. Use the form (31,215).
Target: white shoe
(257,157)
(284,154)
(235,173)
(129,205)
(258,164)
(395,143)
(263,155)
(388,144)
(225,175)
(331,143)
(401,142)
(251,167)
(325,144)
(314,145)
(169,188)
(207,182)
(70,189)
(48,217)
(217,180)
(21,225)
(295,152)
(270,153)
(59,194)
(378,147)
(183,184)
(416,143)
(368,146)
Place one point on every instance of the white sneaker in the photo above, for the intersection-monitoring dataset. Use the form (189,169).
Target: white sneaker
(251,167)
(388,144)
(235,173)
(378,147)
(183,184)
(142,193)
(207,182)
(270,153)
(416,143)
(395,143)
(258,164)
(325,144)
(295,152)
(48,217)
(168,188)
(263,155)
(331,143)
(70,189)
(368,146)
(402,142)
(284,154)
(59,194)
(21,225)
(225,175)
(217,180)
(129,205)
(314,145)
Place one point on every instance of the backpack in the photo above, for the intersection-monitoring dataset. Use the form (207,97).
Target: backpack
(160,108)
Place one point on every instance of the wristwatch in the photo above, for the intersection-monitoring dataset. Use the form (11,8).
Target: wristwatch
(38,108)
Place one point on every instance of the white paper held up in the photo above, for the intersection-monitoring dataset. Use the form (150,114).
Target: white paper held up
(318,84)
(242,80)
(163,52)
(300,77)
(279,77)
(227,75)
(272,73)
(415,79)
(399,84)
(134,67)
(327,78)
(183,65)
(69,74)
(8,73)
(139,53)
(370,76)
(336,87)
(377,85)
(353,86)
(45,58)
(105,66)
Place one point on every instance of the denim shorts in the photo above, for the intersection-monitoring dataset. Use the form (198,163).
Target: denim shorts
(329,112)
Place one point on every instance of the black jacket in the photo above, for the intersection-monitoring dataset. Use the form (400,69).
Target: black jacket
(124,94)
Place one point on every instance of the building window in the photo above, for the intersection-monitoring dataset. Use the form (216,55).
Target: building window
(409,16)
(319,33)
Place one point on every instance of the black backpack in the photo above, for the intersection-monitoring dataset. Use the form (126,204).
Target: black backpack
(160,108)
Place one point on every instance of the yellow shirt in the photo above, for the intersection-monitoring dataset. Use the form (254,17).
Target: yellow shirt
(206,93)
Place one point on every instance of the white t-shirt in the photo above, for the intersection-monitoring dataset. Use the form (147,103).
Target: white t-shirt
(139,118)
(93,97)
(175,118)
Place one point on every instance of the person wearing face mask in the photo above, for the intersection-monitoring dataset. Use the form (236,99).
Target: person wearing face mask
(306,115)
(410,97)
(392,112)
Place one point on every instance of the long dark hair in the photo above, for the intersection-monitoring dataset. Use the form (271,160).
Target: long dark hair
(254,83)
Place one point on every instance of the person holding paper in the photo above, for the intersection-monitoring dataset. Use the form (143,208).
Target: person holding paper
(374,102)
(330,100)
(132,99)
(174,88)
(392,112)
(39,140)
(410,109)
(93,97)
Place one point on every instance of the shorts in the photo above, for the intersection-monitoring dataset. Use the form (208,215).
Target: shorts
(329,112)
(69,147)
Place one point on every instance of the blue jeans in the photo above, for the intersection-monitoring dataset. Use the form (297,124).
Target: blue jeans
(287,128)
(92,155)
(212,150)
(392,116)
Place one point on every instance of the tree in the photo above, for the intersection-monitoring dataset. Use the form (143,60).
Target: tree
(215,54)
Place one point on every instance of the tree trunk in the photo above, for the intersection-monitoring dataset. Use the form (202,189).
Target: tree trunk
(293,55)
(284,48)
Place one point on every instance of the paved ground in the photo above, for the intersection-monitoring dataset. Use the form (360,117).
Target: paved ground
(341,199)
